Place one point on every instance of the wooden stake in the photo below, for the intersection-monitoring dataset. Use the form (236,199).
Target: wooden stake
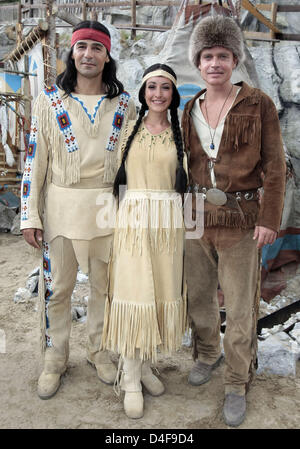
(133,18)
(273,18)
(51,50)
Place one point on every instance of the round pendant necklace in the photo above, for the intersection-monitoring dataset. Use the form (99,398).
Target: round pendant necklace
(212,136)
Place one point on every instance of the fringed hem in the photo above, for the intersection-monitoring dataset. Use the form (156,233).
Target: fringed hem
(172,319)
(253,364)
(229,219)
(158,220)
(241,130)
(110,166)
(42,309)
(128,327)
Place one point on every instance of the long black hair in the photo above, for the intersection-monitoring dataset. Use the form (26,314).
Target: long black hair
(181,177)
(67,80)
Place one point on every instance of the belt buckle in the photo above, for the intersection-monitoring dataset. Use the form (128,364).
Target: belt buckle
(249,196)
(216,197)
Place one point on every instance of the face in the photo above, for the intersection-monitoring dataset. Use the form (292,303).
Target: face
(216,65)
(158,93)
(89,58)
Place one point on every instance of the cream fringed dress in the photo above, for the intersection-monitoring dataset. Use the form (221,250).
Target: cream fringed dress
(146,304)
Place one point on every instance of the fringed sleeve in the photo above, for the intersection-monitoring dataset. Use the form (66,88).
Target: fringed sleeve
(35,170)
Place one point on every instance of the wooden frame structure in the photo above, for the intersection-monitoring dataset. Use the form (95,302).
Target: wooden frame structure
(45,30)
(257,10)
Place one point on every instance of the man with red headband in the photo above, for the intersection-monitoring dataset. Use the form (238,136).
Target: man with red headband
(68,175)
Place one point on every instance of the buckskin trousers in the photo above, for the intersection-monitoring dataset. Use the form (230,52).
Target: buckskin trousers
(228,257)
(60,272)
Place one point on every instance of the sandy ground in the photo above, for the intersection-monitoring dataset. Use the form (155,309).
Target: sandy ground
(83,402)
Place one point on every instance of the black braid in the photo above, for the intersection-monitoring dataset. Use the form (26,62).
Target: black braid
(121,178)
(181,177)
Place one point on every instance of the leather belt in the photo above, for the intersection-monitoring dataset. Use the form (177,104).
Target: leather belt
(219,198)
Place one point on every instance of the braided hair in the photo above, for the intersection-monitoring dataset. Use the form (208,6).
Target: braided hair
(181,177)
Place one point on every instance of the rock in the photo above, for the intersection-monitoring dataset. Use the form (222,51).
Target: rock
(138,48)
(35,272)
(32,285)
(15,229)
(115,40)
(81,277)
(187,338)
(130,71)
(7,216)
(158,41)
(22,295)
(78,313)
(278,354)
(6,44)
(10,200)
(295,333)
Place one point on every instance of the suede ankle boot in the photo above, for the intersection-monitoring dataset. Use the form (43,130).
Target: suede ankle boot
(48,384)
(131,384)
(106,370)
(152,383)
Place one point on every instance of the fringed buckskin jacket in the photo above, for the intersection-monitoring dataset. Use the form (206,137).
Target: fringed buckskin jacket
(72,158)
(250,156)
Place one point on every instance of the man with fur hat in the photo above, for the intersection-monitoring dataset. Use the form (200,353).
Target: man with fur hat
(233,139)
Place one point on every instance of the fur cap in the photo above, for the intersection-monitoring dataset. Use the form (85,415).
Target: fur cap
(217,31)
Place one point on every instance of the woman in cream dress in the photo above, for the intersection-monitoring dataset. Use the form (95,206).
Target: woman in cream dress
(146,306)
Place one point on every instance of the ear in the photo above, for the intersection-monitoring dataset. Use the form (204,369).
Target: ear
(199,62)
(235,61)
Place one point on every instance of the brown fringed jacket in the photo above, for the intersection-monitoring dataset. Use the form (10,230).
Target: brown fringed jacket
(250,156)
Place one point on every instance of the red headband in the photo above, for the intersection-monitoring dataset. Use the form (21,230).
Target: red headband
(92,34)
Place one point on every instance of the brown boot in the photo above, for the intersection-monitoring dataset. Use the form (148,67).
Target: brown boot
(48,384)
(106,370)
(152,383)
(234,410)
(131,384)
(201,372)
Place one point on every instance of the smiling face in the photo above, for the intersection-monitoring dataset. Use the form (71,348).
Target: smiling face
(89,57)
(158,93)
(216,65)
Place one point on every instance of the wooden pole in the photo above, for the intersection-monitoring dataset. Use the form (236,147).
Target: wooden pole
(273,18)
(37,33)
(84,12)
(50,49)
(94,15)
(19,24)
(66,16)
(133,18)
(27,96)
(251,8)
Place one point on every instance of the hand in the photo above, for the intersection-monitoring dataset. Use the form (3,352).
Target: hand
(33,236)
(264,236)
